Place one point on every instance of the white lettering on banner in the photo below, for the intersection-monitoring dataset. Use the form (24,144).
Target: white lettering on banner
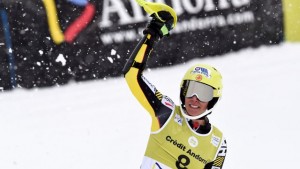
(240,3)
(186,25)
(118,8)
(214,21)
(224,4)
(239,18)
(119,36)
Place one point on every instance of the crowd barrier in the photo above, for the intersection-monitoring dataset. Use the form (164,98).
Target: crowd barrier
(49,42)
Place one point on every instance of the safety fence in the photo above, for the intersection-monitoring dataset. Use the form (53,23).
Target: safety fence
(50,42)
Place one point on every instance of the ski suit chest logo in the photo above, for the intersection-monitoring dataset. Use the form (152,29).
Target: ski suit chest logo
(193,141)
(178,119)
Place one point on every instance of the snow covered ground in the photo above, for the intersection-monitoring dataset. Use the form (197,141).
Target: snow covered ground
(100,125)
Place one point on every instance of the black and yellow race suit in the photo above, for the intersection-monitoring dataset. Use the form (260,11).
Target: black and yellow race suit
(173,143)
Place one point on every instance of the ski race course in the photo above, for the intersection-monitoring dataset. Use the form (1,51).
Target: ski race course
(100,125)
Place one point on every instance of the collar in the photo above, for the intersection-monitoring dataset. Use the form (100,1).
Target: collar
(201,129)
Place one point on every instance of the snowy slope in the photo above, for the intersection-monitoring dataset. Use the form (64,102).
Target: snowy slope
(99,124)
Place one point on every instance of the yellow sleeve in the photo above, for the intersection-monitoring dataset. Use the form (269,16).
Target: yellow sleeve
(145,92)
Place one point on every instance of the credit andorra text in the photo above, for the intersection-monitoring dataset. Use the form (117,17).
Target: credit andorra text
(183,148)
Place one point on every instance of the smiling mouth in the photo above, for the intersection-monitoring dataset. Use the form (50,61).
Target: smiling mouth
(194,107)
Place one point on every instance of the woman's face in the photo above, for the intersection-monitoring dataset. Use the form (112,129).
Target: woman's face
(194,106)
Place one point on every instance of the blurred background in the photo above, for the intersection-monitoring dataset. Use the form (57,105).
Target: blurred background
(64,103)
(51,42)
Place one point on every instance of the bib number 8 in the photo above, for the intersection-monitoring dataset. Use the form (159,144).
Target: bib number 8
(182,162)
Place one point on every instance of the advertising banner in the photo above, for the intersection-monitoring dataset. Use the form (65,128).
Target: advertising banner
(291,24)
(55,41)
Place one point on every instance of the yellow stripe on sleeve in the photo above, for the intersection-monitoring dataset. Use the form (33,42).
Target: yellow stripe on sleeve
(131,79)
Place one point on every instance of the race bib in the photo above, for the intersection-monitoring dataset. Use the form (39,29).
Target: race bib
(149,163)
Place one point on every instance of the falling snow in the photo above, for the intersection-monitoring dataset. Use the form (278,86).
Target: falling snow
(61,59)
(110,59)
(41,52)
(71,126)
(113,52)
